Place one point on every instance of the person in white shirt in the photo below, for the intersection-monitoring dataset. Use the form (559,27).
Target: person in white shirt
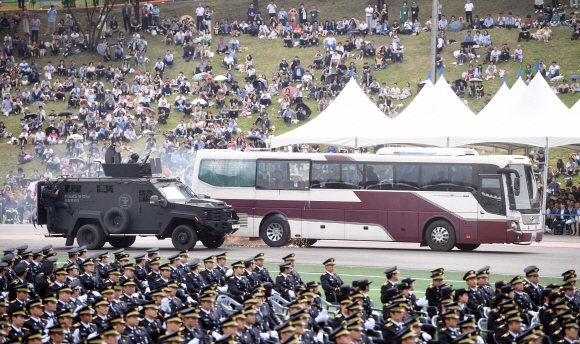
(199,12)
(306,80)
(130,134)
(39,137)
(369,15)
(469,12)
(554,70)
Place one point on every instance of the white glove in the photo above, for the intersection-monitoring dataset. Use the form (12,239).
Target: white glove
(229,272)
(82,298)
(426,336)
(370,324)
(533,313)
(193,341)
(147,291)
(291,294)
(183,286)
(322,317)
(273,334)
(264,336)
(189,299)
(31,286)
(96,293)
(216,335)
(422,302)
(222,319)
(136,295)
(320,337)
(145,283)
(222,289)
(5,294)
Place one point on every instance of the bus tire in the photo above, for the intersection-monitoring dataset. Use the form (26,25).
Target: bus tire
(116,220)
(275,231)
(122,242)
(215,242)
(91,236)
(467,247)
(184,238)
(440,236)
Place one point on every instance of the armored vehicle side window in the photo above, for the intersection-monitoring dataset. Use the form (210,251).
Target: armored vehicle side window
(228,173)
(104,188)
(145,195)
(72,188)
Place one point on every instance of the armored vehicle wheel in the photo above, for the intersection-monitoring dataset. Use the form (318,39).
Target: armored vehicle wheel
(214,243)
(116,220)
(91,236)
(184,238)
(122,242)
(275,231)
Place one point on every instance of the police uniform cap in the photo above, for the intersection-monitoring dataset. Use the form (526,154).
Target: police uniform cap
(70,266)
(165,267)
(60,271)
(47,248)
(64,289)
(506,288)
(526,336)
(118,252)
(483,272)
(21,248)
(259,256)
(391,270)
(37,334)
(3,265)
(312,284)
(238,264)
(194,263)
(298,316)
(25,254)
(469,322)
(453,306)
(149,305)
(446,291)
(268,285)
(109,331)
(129,282)
(329,261)
(570,324)
(173,284)
(20,267)
(114,271)
(100,302)
(250,300)
(228,322)
(394,308)
(34,303)
(567,286)
(289,258)
(152,250)
(124,257)
(173,257)
(133,312)
(354,306)
(286,264)
(513,315)
(560,305)
(565,316)
(117,319)
(46,267)
(414,321)
(532,270)
(461,291)
(407,280)
(209,259)
(22,287)
(206,298)
(229,339)
(57,328)
(260,294)
(208,289)
(463,338)
(65,313)
(402,286)
(96,257)
(437,276)
(258,289)
(37,252)
(187,307)
(184,253)
(85,310)
(517,279)
(338,332)
(404,333)
(155,261)
(284,327)
(72,252)
(506,304)
(569,273)
(222,255)
(249,260)
(3,302)
(192,313)
(129,267)
(357,296)
(157,292)
(82,249)
(469,275)
(108,289)
(450,314)
(9,250)
(89,261)
(238,315)
(51,256)
(8,258)
(249,309)
(139,257)
(17,311)
(354,324)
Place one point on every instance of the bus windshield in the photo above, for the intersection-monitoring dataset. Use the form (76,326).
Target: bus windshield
(528,201)
(177,192)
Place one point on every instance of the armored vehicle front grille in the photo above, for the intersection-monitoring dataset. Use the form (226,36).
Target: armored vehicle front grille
(217,214)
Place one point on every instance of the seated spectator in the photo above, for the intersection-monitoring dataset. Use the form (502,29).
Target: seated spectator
(571,168)
(518,54)
(575,86)
(563,87)
(488,22)
(554,70)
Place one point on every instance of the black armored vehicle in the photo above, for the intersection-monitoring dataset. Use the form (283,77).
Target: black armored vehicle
(128,202)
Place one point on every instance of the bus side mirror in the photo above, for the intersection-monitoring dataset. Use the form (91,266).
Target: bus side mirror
(517,186)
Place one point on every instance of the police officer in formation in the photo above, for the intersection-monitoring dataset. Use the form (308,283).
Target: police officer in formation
(181,301)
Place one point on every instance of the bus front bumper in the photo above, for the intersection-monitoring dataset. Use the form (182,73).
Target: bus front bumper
(523,237)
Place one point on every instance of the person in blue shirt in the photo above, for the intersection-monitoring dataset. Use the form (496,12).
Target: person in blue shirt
(488,22)
(283,16)
(468,37)
(331,149)
(168,60)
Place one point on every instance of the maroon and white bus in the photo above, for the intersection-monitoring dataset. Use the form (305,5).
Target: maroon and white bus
(442,198)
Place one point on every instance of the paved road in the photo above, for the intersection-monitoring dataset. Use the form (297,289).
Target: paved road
(555,254)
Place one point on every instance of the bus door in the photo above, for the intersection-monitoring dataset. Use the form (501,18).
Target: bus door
(491,214)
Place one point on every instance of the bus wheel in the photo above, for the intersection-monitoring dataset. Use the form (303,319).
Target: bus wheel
(122,242)
(91,236)
(184,238)
(215,242)
(440,236)
(275,231)
(467,247)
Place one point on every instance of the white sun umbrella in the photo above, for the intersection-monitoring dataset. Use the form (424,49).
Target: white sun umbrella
(220,78)
(199,100)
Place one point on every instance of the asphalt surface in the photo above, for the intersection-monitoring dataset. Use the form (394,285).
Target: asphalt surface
(553,255)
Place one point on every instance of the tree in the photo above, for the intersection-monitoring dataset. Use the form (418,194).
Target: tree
(95,17)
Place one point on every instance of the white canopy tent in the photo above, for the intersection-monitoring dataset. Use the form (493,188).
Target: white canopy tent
(575,109)
(497,103)
(429,119)
(348,121)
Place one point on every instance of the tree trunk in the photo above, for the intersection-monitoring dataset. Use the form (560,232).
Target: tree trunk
(256,4)
(137,11)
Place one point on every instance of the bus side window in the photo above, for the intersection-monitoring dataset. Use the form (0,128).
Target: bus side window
(406,176)
(283,174)
(491,198)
